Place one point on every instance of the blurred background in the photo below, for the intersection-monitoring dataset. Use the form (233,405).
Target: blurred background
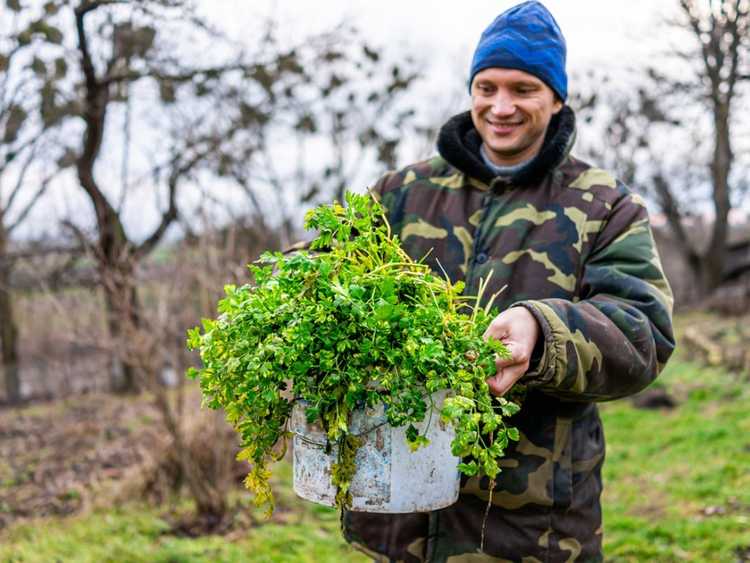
(150,149)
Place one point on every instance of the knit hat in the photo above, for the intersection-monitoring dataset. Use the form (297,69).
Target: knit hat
(525,37)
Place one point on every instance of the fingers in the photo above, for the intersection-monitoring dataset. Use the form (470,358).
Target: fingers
(518,330)
(518,355)
(505,378)
(498,329)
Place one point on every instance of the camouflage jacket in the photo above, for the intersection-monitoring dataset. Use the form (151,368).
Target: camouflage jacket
(573,245)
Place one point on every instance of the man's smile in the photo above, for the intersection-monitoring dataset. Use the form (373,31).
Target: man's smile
(504,127)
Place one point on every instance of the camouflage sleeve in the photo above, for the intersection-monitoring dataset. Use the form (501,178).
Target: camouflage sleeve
(389,181)
(615,339)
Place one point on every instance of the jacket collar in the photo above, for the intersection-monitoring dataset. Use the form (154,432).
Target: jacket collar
(459,142)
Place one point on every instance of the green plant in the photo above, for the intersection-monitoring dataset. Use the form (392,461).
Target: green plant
(359,323)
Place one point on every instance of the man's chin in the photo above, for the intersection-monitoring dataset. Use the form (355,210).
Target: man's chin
(505,156)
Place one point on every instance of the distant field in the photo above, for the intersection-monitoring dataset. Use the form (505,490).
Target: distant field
(677,488)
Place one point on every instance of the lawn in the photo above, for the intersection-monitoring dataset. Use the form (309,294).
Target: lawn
(298,531)
(677,487)
(677,482)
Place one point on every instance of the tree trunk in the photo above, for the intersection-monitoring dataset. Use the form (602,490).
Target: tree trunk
(123,310)
(8,331)
(721,163)
(9,338)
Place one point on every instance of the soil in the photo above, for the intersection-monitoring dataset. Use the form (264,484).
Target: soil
(56,458)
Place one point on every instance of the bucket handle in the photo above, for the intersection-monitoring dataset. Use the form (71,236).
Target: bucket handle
(307,440)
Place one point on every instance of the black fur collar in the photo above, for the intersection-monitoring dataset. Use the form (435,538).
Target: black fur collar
(459,143)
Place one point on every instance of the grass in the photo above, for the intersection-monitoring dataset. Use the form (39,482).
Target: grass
(677,488)
(299,531)
(677,482)
(137,534)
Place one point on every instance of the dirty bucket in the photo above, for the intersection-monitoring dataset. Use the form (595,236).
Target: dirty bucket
(389,477)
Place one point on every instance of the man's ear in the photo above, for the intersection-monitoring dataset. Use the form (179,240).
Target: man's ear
(557,105)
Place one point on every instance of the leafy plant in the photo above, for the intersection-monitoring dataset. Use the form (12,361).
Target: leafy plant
(357,324)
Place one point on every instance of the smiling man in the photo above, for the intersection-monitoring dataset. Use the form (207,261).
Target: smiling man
(583,306)
(511,110)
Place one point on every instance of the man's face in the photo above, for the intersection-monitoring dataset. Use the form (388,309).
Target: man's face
(511,110)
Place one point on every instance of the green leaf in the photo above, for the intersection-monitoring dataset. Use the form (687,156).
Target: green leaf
(418,442)
(384,311)
(194,338)
(470,469)
(356,291)
(412,433)
(312,414)
(509,409)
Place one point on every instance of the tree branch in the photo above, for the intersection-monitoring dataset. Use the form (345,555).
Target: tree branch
(111,231)
(41,251)
(171,213)
(20,180)
(80,236)
(673,215)
(87,64)
(244,182)
(87,6)
(29,206)
(135,75)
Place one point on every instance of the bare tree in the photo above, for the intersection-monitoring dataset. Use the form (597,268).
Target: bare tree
(116,254)
(123,53)
(674,137)
(239,111)
(28,118)
(723,29)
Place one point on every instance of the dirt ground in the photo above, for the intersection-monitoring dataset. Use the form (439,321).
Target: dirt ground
(717,340)
(57,458)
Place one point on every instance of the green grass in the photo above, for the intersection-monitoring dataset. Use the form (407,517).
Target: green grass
(136,533)
(677,488)
(677,483)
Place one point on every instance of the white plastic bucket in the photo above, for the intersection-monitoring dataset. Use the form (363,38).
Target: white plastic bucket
(389,477)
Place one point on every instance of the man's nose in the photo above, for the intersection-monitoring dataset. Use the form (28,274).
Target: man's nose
(502,104)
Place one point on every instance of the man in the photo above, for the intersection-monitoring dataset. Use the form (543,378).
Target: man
(586,310)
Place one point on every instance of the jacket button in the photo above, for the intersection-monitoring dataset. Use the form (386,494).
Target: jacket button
(481,258)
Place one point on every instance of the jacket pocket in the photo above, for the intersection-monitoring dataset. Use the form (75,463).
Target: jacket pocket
(578,455)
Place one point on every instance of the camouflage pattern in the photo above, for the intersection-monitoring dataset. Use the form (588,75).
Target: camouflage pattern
(576,249)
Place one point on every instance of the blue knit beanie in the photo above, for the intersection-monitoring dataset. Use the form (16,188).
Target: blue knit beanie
(525,37)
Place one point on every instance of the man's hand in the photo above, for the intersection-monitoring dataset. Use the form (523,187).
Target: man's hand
(518,330)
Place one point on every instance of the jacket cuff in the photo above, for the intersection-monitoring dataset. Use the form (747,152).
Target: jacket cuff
(544,359)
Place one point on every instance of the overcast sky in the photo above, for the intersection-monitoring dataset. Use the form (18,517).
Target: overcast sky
(598,32)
